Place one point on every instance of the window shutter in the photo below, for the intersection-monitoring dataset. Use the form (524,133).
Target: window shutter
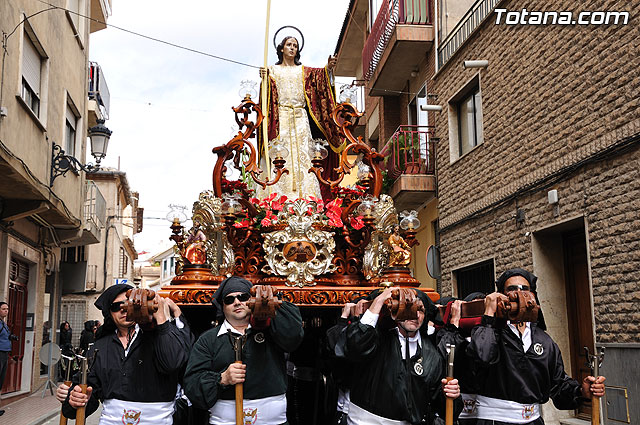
(71,118)
(31,65)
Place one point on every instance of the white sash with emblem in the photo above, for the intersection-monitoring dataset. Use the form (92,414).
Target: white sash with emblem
(119,412)
(262,411)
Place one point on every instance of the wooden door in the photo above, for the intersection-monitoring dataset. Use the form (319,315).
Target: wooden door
(18,278)
(579,310)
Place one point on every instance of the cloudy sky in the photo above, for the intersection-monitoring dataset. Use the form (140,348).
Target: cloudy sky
(170,107)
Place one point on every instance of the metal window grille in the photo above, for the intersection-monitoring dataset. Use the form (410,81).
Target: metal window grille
(476,278)
(74,312)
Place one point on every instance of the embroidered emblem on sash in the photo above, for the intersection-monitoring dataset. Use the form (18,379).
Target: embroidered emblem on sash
(528,411)
(259,337)
(131,417)
(250,415)
(417,367)
(469,406)
(537,348)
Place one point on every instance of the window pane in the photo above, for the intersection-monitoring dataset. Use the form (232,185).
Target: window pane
(423,120)
(70,144)
(478,106)
(466,124)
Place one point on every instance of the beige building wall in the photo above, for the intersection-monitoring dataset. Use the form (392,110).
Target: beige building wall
(426,236)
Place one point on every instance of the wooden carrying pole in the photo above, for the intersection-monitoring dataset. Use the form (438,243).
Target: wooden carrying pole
(239,405)
(265,101)
(449,401)
(67,382)
(594,362)
(80,413)
(237,342)
(595,400)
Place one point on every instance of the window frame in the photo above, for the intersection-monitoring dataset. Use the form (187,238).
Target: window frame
(77,21)
(26,93)
(456,278)
(29,94)
(472,88)
(72,111)
(476,98)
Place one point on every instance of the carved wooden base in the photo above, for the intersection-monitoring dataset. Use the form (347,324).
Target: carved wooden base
(400,276)
(197,274)
(308,296)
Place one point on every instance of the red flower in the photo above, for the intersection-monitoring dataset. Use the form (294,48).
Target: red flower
(265,222)
(334,211)
(241,223)
(356,222)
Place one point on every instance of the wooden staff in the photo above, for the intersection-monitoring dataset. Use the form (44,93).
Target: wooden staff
(237,342)
(67,382)
(265,101)
(80,413)
(594,362)
(449,401)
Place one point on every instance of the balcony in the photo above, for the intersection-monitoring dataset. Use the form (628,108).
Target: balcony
(99,97)
(100,11)
(95,212)
(480,10)
(411,163)
(400,37)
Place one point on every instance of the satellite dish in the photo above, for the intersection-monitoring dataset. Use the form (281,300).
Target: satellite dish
(50,354)
(433,262)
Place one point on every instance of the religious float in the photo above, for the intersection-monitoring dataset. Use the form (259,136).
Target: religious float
(315,252)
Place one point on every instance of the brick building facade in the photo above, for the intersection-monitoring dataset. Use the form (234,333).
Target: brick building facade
(555,115)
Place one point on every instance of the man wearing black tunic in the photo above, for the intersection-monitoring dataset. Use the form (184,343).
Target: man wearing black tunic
(212,373)
(135,372)
(398,372)
(519,367)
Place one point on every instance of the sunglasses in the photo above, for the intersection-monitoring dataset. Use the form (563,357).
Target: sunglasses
(116,306)
(230,299)
(517,287)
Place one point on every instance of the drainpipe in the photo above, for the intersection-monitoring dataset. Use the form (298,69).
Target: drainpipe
(106,245)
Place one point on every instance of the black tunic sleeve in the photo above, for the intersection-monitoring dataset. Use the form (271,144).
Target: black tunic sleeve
(170,353)
(448,335)
(565,391)
(201,382)
(362,341)
(484,347)
(286,327)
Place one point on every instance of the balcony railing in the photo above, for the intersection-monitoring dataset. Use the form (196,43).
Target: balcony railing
(352,93)
(98,89)
(95,206)
(393,12)
(410,150)
(92,276)
(467,25)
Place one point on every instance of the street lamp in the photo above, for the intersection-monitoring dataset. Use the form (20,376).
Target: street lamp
(61,163)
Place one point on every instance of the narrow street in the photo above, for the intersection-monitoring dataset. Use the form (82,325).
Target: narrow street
(91,420)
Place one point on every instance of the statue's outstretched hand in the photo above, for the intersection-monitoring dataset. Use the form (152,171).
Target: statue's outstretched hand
(263,72)
(331,63)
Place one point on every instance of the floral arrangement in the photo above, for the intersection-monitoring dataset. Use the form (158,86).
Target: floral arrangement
(271,211)
(235,186)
